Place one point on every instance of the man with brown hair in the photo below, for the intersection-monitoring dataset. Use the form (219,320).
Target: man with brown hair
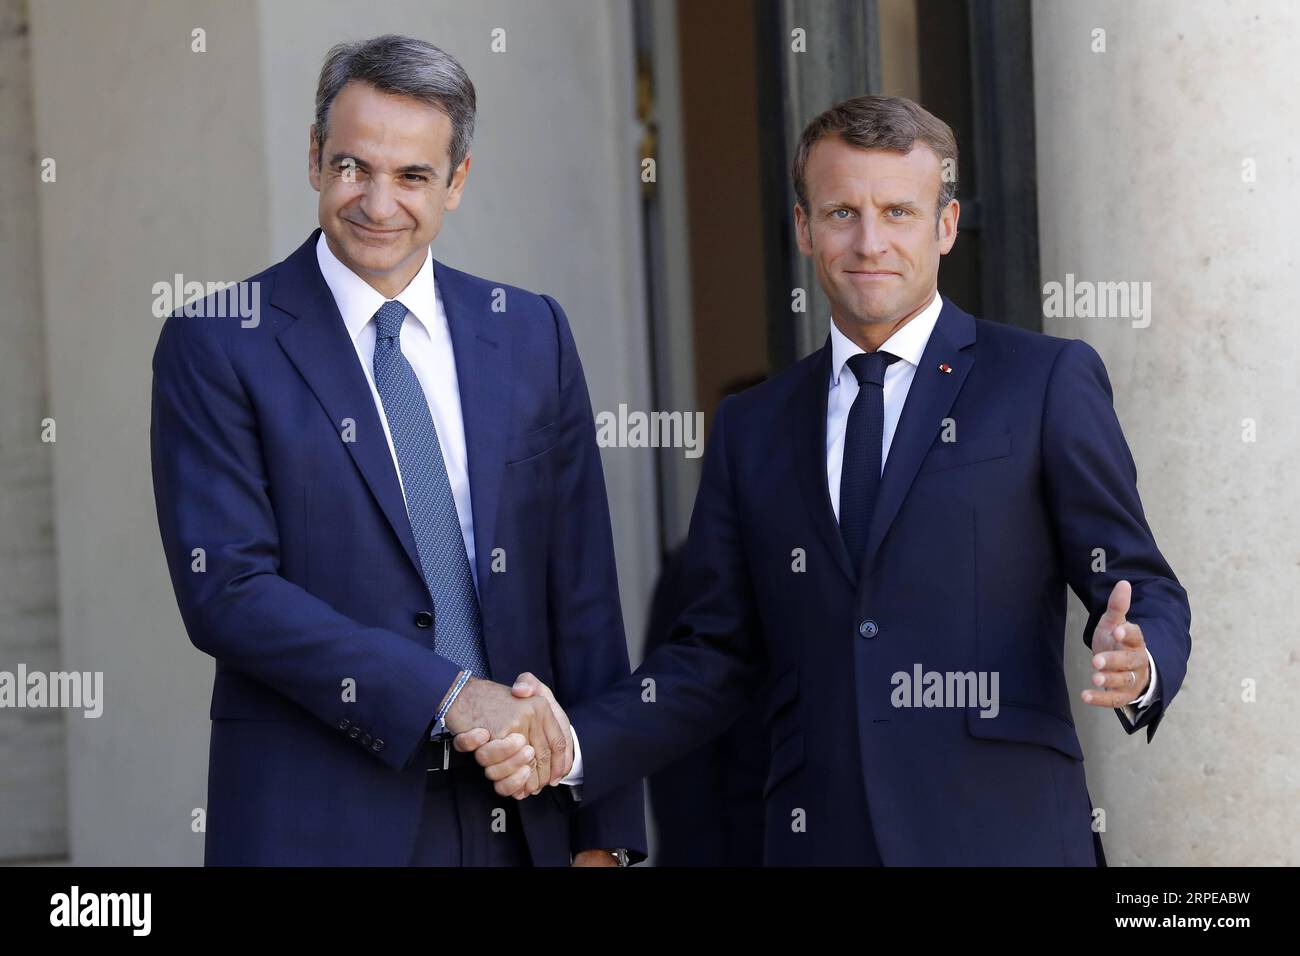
(891,525)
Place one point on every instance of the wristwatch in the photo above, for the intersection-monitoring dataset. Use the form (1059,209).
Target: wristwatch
(620,855)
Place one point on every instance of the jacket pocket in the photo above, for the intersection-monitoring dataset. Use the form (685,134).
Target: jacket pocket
(535,443)
(966,451)
(1026,725)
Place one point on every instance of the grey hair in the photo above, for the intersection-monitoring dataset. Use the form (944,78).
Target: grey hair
(402,66)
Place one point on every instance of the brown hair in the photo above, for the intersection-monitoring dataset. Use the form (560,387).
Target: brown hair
(880,122)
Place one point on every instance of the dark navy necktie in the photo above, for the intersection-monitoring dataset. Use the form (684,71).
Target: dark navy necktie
(458,631)
(864,437)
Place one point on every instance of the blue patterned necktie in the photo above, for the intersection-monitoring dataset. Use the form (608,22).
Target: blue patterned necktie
(458,631)
(864,438)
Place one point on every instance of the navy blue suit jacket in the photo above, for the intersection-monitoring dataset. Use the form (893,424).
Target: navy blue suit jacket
(971,549)
(312,576)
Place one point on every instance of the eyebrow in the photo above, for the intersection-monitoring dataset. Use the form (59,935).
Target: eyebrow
(362,164)
(895,204)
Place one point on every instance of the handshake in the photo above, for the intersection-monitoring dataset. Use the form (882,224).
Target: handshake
(519,735)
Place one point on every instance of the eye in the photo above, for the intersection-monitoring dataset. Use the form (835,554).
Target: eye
(835,214)
(416,177)
(898,209)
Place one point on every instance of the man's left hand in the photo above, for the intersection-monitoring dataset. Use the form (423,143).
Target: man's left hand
(1120,671)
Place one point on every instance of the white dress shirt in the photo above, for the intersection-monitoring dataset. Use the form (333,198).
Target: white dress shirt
(425,340)
(908,343)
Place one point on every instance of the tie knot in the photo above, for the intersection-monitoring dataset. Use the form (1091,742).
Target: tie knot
(389,319)
(870,366)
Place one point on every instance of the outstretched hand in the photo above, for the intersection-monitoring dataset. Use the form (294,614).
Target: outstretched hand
(1121,671)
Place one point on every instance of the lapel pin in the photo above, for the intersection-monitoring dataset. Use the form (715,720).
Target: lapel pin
(945,368)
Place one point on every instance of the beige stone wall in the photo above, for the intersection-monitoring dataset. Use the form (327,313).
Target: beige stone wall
(158,153)
(1140,171)
(32,763)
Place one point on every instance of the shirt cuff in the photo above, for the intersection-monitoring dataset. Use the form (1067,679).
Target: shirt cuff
(574,777)
(439,725)
(1152,692)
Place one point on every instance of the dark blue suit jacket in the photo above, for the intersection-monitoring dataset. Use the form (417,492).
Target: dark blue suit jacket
(707,806)
(312,577)
(972,546)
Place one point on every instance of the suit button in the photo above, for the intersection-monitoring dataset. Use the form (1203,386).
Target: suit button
(868,628)
(344,724)
(354,733)
(365,740)
(424,619)
(377,745)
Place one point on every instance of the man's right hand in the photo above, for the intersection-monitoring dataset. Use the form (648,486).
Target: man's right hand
(504,758)
(536,737)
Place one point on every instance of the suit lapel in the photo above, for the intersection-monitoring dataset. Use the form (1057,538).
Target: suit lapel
(807,423)
(319,346)
(929,399)
(485,379)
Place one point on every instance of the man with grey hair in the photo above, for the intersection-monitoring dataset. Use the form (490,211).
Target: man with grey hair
(394,484)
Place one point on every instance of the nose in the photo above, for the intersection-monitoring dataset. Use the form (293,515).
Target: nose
(379,200)
(869,239)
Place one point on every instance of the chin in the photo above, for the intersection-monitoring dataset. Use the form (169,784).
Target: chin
(373,260)
(873,311)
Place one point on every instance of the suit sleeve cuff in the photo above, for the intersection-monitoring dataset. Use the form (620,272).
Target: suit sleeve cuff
(574,776)
(1135,715)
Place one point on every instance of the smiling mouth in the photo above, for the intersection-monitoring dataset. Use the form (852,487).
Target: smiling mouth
(872,274)
(374,232)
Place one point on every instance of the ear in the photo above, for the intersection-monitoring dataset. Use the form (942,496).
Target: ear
(313,159)
(458,178)
(948,226)
(802,230)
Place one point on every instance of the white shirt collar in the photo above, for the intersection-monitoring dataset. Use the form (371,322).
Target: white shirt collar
(908,343)
(358,301)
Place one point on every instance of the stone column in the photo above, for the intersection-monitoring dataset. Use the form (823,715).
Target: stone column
(1168,136)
